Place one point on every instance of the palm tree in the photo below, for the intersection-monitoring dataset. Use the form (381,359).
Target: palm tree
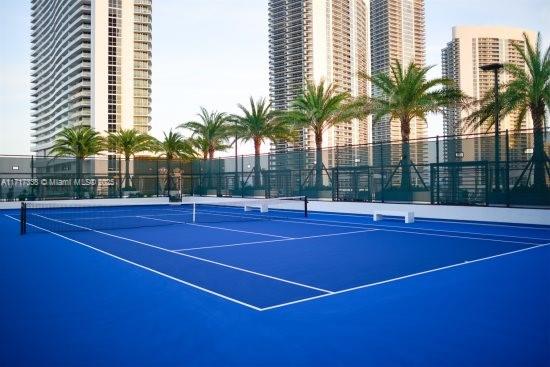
(258,123)
(202,146)
(407,94)
(128,143)
(173,146)
(318,108)
(527,92)
(210,132)
(79,142)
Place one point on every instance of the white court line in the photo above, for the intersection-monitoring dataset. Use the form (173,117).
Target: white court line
(463,237)
(271,219)
(213,227)
(403,277)
(465,222)
(144,267)
(304,299)
(320,222)
(192,257)
(445,233)
(273,241)
(356,225)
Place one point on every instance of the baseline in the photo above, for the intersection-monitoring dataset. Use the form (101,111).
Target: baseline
(143,267)
(370,285)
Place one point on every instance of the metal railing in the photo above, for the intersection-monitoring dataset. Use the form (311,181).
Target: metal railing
(450,170)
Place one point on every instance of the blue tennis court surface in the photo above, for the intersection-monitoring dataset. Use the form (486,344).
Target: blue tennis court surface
(272,289)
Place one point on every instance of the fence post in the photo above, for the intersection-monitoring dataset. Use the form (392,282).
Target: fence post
(219,180)
(157,178)
(192,175)
(33,187)
(437,170)
(507,169)
(23,218)
(300,188)
(120,177)
(382,172)
(336,178)
(242,176)
(267,184)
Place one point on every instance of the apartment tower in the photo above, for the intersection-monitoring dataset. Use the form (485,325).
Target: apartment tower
(91,65)
(471,48)
(314,40)
(397,33)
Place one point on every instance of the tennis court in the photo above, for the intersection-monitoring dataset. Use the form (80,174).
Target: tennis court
(276,257)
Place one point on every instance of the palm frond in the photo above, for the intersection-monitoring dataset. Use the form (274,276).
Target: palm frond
(212,128)
(407,93)
(79,142)
(528,90)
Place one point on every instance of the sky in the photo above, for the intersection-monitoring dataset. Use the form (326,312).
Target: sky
(215,54)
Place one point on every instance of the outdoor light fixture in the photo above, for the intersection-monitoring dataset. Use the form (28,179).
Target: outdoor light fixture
(15,168)
(495,68)
(248,166)
(459,154)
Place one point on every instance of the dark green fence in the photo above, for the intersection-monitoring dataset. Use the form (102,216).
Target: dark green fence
(454,170)
(47,178)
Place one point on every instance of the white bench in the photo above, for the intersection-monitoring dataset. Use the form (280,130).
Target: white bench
(249,205)
(379,214)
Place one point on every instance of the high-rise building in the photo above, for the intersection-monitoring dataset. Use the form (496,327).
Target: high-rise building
(471,48)
(91,65)
(314,40)
(398,33)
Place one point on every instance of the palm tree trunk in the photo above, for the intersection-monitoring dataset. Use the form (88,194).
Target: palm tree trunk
(127,173)
(257,164)
(318,161)
(539,156)
(405,156)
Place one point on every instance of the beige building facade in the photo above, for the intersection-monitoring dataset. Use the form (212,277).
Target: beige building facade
(314,40)
(471,48)
(397,33)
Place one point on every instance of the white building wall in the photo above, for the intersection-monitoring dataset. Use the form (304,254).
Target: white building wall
(100,12)
(320,40)
(127,66)
(69,46)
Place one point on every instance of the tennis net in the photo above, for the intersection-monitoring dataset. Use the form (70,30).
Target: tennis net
(77,216)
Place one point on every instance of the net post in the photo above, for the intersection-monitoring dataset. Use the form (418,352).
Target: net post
(23,218)
(305,206)
(194,212)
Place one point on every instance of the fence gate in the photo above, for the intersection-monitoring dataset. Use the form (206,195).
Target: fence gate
(352,184)
(278,183)
(460,183)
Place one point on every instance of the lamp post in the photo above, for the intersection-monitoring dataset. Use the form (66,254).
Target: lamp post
(495,68)
(236,184)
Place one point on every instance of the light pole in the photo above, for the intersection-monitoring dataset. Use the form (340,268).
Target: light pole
(236,184)
(495,68)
